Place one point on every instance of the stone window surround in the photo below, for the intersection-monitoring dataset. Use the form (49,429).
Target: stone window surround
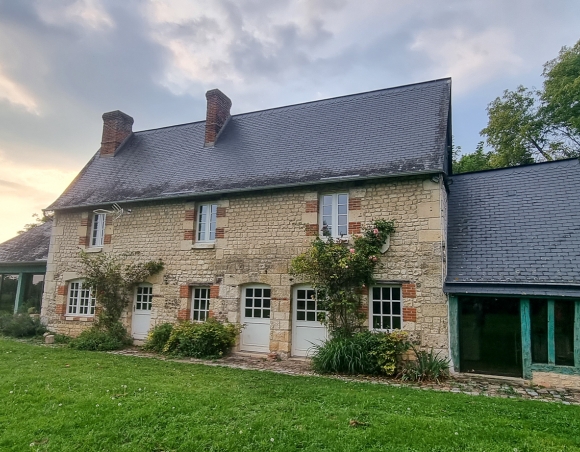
(203,296)
(70,299)
(205,227)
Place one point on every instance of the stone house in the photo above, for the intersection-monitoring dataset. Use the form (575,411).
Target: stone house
(226,203)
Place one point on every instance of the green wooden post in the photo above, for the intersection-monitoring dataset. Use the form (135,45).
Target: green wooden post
(19,298)
(551,339)
(526,338)
(454,330)
(577,334)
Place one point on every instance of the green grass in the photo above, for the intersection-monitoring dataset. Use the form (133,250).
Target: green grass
(57,399)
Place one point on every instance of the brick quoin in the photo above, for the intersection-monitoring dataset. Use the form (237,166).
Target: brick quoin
(311,229)
(190,215)
(183,314)
(84,221)
(107,239)
(214,291)
(60,309)
(108,220)
(409,290)
(211,314)
(83,241)
(354,227)
(409,314)
(311,206)
(188,235)
(219,233)
(354,203)
(220,212)
(184,291)
(364,309)
(62,289)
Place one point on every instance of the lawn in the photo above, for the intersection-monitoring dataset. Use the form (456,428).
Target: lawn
(56,399)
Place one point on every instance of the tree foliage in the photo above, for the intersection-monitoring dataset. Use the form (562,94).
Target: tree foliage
(339,271)
(528,125)
(38,220)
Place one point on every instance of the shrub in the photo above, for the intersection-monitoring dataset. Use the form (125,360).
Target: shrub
(158,337)
(210,339)
(62,339)
(114,337)
(21,325)
(427,367)
(362,353)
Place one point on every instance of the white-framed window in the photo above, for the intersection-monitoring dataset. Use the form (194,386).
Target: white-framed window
(200,304)
(206,220)
(334,215)
(386,308)
(98,229)
(143,297)
(257,302)
(80,299)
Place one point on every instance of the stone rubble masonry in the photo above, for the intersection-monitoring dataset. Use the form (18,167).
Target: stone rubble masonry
(260,233)
(556,380)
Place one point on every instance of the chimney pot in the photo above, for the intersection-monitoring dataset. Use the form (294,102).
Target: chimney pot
(218,113)
(117,126)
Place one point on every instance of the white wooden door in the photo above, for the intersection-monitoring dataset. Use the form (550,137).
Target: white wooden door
(255,335)
(307,330)
(142,311)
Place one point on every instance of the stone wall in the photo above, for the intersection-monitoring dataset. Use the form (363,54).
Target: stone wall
(257,236)
(556,380)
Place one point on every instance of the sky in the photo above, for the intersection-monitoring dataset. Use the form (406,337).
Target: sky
(63,63)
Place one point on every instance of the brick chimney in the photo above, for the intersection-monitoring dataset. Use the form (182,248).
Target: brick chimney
(117,126)
(218,113)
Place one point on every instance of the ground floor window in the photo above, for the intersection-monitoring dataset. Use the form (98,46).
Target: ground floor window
(80,299)
(257,303)
(144,297)
(200,304)
(385,308)
(552,331)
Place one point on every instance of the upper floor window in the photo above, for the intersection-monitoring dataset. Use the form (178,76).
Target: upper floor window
(206,222)
(385,308)
(200,304)
(334,215)
(98,229)
(80,299)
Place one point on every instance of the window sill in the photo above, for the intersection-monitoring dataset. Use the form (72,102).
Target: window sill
(203,246)
(95,249)
(81,318)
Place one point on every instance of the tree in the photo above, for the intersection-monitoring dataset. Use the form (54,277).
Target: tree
(528,125)
(339,272)
(38,220)
(477,161)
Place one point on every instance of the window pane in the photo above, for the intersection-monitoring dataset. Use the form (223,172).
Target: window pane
(539,326)
(386,293)
(249,303)
(376,307)
(376,293)
(266,313)
(300,315)
(386,323)
(195,315)
(376,322)
(267,293)
(327,200)
(301,294)
(248,313)
(301,305)
(396,292)
(310,305)
(342,199)
(564,332)
(386,307)
(257,292)
(249,292)
(266,303)
(396,322)
(195,304)
(396,308)
(310,316)
(257,313)
(257,303)
(342,230)
(342,209)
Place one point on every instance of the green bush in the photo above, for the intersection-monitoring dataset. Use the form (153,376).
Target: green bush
(114,337)
(158,337)
(21,325)
(427,367)
(362,353)
(210,339)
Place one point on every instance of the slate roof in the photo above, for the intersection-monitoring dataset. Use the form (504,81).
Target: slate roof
(389,132)
(30,247)
(515,230)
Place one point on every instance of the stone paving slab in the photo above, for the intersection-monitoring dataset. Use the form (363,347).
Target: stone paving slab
(474,385)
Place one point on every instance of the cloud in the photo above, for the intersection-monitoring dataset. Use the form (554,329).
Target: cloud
(17,95)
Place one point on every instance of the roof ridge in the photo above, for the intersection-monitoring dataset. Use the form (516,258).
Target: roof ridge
(528,167)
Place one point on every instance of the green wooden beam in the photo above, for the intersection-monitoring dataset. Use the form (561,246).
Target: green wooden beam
(19,292)
(15,269)
(526,338)
(454,330)
(577,335)
(551,329)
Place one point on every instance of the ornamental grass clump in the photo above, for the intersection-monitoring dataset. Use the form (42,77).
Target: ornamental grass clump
(21,325)
(209,340)
(365,352)
(428,366)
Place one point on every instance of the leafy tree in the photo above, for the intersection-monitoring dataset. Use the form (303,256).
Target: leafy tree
(38,220)
(528,125)
(477,161)
(339,272)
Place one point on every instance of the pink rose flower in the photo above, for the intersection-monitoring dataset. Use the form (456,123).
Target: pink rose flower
(375,231)
(352,250)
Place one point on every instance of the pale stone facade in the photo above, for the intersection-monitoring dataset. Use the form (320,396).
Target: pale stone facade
(258,233)
(556,380)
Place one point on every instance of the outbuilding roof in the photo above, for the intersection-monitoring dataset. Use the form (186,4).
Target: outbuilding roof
(515,230)
(390,132)
(30,247)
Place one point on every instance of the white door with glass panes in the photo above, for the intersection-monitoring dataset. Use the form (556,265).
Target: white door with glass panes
(255,335)
(142,311)
(386,308)
(307,328)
